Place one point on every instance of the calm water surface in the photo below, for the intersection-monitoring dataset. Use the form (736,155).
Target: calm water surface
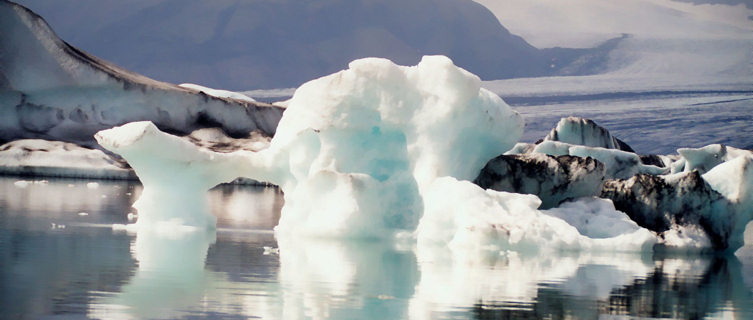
(651,124)
(61,259)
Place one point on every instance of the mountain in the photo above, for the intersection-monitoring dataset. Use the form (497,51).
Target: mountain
(255,44)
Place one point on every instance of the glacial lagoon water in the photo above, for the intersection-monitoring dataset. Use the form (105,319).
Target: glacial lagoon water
(61,258)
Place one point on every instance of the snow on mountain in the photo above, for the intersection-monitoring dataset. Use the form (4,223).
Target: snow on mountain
(585,23)
(664,41)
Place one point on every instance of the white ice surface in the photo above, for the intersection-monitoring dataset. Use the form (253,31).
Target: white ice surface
(58,159)
(470,220)
(706,158)
(594,218)
(585,23)
(219,93)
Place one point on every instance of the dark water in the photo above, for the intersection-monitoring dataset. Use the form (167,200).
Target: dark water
(655,123)
(87,270)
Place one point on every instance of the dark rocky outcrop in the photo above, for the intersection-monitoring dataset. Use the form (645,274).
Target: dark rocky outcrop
(551,178)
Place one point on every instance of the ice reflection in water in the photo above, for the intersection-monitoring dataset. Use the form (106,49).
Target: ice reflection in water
(86,270)
(328,279)
(170,277)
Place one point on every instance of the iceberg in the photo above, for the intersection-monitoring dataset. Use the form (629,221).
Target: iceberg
(36,157)
(705,158)
(387,151)
(585,132)
(552,178)
(219,93)
(351,153)
(51,90)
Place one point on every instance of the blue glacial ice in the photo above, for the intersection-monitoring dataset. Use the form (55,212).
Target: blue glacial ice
(381,151)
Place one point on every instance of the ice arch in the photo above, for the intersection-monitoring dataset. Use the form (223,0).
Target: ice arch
(352,153)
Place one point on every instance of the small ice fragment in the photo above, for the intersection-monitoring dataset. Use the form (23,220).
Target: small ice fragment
(385,297)
(83,214)
(44,182)
(71,185)
(52,225)
(61,226)
(92,185)
(270,250)
(132,216)
(21,184)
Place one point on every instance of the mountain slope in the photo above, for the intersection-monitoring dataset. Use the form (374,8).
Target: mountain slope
(250,44)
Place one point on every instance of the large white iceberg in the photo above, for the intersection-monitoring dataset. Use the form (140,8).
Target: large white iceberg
(351,153)
(380,150)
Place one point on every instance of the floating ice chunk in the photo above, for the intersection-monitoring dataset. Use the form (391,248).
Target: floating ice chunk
(708,157)
(92,185)
(719,203)
(21,184)
(176,174)
(219,93)
(56,91)
(585,132)
(271,250)
(734,180)
(59,159)
(665,203)
(83,214)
